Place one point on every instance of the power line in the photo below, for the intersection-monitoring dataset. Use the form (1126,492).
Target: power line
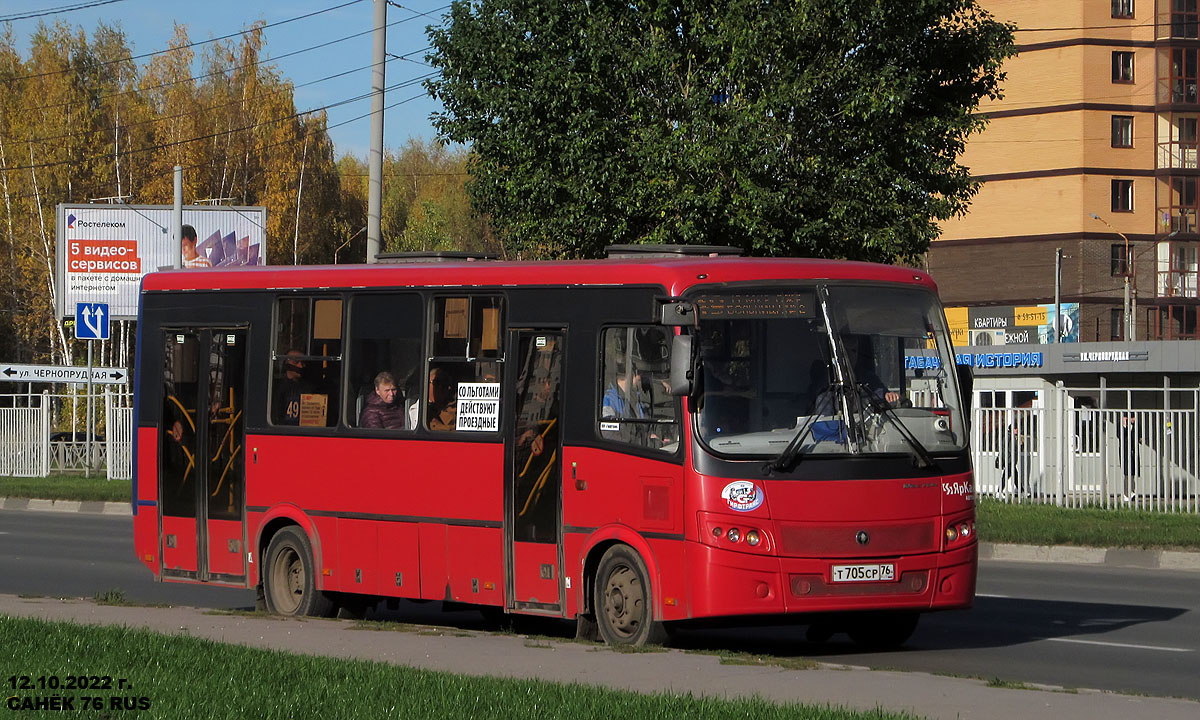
(198,109)
(192,44)
(210,136)
(53,11)
(221,71)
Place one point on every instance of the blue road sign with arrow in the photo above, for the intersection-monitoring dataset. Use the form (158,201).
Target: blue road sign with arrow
(91,321)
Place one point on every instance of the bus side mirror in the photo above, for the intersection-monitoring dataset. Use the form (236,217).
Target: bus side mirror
(681,365)
(966,390)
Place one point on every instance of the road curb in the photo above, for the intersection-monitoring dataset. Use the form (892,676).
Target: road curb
(1003,552)
(1113,557)
(93,507)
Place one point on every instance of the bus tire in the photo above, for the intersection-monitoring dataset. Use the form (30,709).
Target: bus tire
(624,601)
(882,630)
(290,582)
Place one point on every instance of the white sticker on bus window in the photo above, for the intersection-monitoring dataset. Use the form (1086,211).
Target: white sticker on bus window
(540,341)
(610,427)
(742,495)
(478,408)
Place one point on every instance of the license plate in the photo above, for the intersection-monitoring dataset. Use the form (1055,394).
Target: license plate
(882,572)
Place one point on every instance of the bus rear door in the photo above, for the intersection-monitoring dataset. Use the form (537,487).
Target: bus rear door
(201,479)
(533,496)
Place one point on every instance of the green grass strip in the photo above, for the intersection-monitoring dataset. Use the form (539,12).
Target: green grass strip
(184,677)
(67,487)
(1027,524)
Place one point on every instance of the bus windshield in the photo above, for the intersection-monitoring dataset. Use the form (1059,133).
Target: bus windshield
(840,369)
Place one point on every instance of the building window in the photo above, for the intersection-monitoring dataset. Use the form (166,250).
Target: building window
(1117,261)
(1122,66)
(1122,131)
(1122,8)
(1122,196)
(1184,19)
(1114,324)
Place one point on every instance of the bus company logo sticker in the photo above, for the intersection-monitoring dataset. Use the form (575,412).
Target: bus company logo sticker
(957,488)
(742,495)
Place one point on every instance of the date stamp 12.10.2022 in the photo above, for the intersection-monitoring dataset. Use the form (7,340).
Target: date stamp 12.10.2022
(72,692)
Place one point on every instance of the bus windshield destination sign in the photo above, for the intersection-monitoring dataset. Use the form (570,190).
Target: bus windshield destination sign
(757,305)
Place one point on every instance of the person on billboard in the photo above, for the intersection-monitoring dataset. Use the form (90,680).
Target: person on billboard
(187,244)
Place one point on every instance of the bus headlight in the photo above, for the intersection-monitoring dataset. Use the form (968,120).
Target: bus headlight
(734,535)
(752,538)
(951,533)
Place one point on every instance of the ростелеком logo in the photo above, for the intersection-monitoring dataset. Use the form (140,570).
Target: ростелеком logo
(742,495)
(71,222)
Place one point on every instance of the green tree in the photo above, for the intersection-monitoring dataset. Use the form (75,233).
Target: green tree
(828,129)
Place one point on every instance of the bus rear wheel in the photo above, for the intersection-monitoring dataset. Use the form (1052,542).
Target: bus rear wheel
(623,601)
(289,581)
(882,630)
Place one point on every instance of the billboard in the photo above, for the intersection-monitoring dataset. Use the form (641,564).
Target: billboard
(104,250)
(1011,325)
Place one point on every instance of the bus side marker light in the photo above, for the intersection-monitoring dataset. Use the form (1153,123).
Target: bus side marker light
(327,572)
(492,585)
(669,601)
(149,558)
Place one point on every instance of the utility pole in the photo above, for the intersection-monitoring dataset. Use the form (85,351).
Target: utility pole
(1127,315)
(177,221)
(375,161)
(1057,328)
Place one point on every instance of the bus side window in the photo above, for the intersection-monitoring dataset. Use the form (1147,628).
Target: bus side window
(636,406)
(384,337)
(466,341)
(306,373)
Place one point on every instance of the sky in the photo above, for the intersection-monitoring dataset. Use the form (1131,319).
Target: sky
(149,24)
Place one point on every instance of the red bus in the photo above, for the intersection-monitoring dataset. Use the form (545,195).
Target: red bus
(633,443)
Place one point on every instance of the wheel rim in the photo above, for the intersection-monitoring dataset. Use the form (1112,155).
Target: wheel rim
(624,602)
(288,581)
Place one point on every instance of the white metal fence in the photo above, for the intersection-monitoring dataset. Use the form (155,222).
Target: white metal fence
(118,441)
(25,438)
(1073,456)
(28,448)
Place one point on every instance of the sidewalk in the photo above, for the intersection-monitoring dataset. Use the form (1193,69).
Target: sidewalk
(507,655)
(1113,557)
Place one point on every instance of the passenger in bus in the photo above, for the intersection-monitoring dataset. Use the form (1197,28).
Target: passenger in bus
(382,410)
(623,397)
(288,389)
(442,406)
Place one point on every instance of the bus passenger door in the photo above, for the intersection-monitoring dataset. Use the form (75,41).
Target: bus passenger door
(201,470)
(533,496)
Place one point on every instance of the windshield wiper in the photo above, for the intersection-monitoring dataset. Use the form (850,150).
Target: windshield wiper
(787,459)
(882,407)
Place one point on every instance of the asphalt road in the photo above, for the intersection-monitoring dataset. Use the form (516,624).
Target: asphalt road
(1117,629)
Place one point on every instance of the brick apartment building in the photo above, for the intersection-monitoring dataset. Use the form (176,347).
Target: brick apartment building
(1099,118)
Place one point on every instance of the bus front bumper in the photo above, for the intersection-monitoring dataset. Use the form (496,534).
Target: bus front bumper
(735,583)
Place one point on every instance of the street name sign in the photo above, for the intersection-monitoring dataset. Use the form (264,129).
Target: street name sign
(63,374)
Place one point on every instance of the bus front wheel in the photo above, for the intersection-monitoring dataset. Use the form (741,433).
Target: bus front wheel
(290,583)
(623,602)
